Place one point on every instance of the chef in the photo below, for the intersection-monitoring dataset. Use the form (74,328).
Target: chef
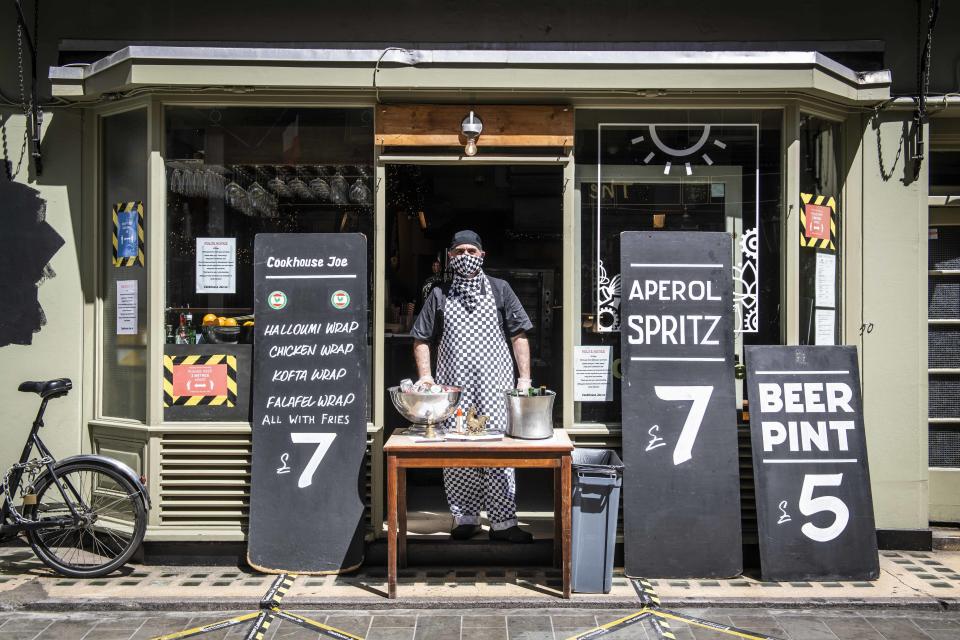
(474,321)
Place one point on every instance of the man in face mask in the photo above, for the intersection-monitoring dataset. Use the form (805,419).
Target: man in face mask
(475,321)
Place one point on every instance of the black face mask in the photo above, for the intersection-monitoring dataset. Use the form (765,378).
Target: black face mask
(466,266)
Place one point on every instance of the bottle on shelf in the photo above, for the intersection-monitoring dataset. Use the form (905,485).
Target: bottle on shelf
(191,331)
(183,337)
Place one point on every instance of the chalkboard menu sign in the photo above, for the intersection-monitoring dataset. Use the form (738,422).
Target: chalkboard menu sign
(681,481)
(309,396)
(814,507)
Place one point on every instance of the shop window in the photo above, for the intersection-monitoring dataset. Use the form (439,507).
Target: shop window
(821,214)
(124,294)
(235,172)
(944,171)
(682,170)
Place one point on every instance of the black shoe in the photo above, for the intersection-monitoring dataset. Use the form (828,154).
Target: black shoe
(464,531)
(513,534)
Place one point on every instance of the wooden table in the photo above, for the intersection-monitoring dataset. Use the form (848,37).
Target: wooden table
(403,453)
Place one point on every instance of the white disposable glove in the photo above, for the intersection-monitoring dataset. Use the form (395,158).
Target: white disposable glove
(423,384)
(523,384)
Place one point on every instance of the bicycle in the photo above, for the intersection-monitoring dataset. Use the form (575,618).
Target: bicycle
(83,516)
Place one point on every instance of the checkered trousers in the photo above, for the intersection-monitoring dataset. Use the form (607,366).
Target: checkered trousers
(470,491)
(474,354)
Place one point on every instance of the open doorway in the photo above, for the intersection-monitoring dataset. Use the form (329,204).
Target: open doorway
(518,211)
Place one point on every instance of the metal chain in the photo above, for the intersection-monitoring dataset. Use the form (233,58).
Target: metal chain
(883,171)
(31,470)
(11,174)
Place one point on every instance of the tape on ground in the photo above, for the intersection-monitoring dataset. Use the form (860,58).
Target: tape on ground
(207,628)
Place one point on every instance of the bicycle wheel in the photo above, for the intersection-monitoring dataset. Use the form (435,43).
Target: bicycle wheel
(116,515)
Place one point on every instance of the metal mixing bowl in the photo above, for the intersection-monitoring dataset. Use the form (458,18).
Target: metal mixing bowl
(426,408)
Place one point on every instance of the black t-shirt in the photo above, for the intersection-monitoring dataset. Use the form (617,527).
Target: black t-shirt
(513,318)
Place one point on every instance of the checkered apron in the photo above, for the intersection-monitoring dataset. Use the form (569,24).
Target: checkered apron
(474,354)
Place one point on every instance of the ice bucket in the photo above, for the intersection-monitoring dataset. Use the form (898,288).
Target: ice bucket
(530,417)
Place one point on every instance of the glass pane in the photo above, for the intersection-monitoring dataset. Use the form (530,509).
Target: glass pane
(124,188)
(693,170)
(234,172)
(821,215)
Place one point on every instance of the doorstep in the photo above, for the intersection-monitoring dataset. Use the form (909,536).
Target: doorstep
(909,579)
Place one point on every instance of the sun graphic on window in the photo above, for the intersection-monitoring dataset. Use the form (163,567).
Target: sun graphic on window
(699,150)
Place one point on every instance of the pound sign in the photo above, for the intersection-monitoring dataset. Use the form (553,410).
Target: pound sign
(655,440)
(784,517)
(283,460)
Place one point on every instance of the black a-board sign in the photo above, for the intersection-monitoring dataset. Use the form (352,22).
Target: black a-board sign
(309,398)
(681,480)
(812,482)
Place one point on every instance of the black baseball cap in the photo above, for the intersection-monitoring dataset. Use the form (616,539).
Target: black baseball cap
(466,237)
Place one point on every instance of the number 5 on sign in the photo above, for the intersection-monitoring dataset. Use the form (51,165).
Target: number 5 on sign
(691,426)
(323,442)
(809,505)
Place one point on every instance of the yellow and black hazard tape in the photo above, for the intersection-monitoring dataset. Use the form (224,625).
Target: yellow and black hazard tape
(659,619)
(128,207)
(645,592)
(713,626)
(228,399)
(277,591)
(208,628)
(313,625)
(818,243)
(269,611)
(614,625)
(662,627)
(258,630)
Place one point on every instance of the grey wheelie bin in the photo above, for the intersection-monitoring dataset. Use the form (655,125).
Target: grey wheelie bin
(597,477)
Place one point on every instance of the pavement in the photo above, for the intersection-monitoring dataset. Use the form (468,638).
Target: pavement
(914,580)
(500,624)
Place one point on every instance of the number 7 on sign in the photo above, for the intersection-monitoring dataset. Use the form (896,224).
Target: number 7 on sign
(323,442)
(691,426)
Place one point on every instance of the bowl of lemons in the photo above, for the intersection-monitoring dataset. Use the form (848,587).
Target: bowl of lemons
(220,330)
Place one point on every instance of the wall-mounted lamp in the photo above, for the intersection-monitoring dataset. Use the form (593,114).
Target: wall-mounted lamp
(471,128)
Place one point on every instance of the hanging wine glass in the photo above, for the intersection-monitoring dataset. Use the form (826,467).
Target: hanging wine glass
(319,186)
(299,187)
(214,182)
(359,192)
(176,179)
(277,185)
(338,189)
(258,196)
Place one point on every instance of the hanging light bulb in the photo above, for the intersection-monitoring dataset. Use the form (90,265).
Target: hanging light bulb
(471,127)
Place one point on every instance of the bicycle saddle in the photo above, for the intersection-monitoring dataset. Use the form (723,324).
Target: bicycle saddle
(47,388)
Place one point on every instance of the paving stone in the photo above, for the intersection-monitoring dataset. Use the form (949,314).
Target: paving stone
(935,623)
(578,621)
(484,621)
(393,621)
(479,633)
(159,625)
(897,629)
(390,634)
(286,630)
(358,625)
(437,627)
(529,627)
(852,628)
(806,628)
